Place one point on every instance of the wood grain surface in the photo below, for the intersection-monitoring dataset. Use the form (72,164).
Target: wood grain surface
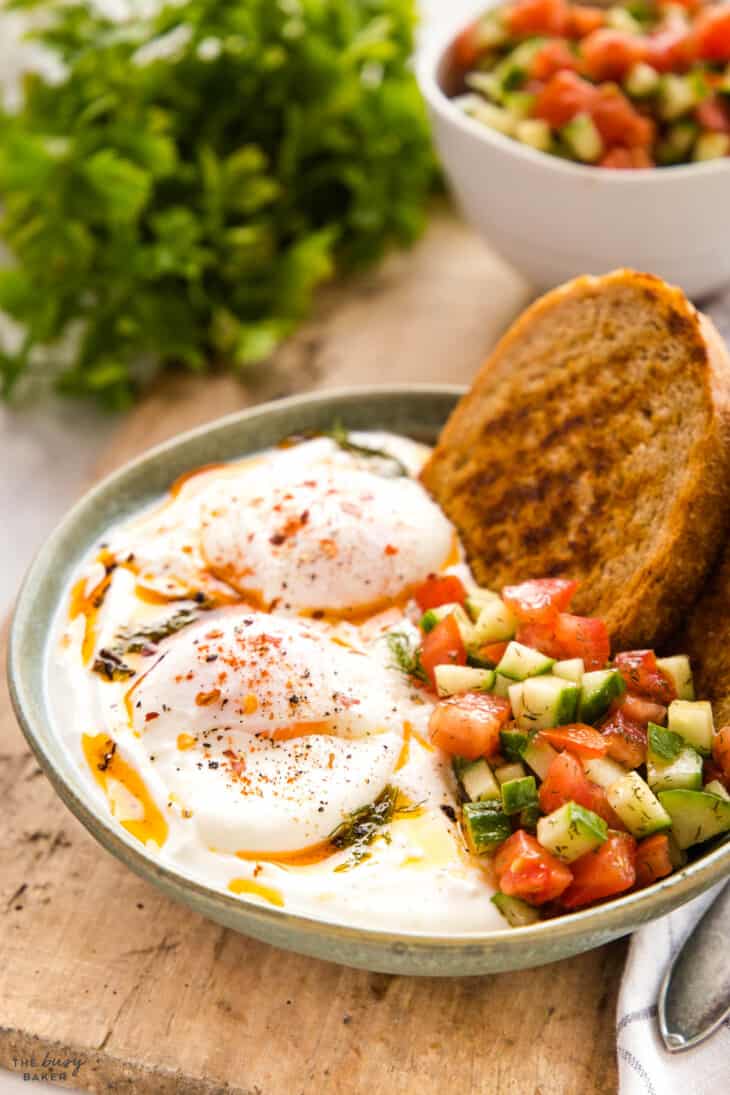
(105,985)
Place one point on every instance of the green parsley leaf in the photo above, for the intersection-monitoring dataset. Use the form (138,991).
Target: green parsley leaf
(177,197)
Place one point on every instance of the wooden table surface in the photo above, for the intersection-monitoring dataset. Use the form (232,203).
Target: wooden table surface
(105,982)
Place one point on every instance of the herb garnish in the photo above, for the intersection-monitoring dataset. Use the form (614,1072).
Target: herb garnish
(361,827)
(109,661)
(177,191)
(341,437)
(406,656)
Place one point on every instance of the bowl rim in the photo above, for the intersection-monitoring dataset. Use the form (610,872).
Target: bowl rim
(610,917)
(428,65)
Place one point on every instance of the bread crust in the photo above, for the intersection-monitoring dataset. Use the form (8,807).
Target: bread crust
(539,485)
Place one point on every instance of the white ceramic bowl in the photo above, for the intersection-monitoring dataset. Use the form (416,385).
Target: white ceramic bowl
(553,219)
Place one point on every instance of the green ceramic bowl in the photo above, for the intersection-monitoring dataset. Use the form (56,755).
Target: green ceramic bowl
(418,412)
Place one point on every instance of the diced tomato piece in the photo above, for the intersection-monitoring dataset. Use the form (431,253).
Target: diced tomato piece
(577,738)
(721,751)
(468,725)
(627,159)
(712,33)
(713,114)
(540,637)
(608,870)
(643,676)
(584,20)
(583,637)
(670,50)
(642,712)
(540,599)
(652,859)
(525,869)
(601,806)
(563,96)
(565,781)
(554,56)
(618,122)
(493,652)
(440,589)
(442,646)
(626,740)
(609,54)
(526,18)
(467,47)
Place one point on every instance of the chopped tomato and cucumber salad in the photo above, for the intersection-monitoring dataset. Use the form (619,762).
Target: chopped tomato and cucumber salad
(581,776)
(637,85)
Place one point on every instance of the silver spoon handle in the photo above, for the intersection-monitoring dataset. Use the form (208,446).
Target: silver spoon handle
(694,998)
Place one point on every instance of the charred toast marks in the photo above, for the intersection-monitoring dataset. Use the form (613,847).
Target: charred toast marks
(595,443)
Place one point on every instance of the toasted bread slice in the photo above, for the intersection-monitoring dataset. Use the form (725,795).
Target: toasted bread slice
(706,639)
(595,443)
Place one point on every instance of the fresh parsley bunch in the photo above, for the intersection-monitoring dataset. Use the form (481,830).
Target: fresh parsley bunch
(195,174)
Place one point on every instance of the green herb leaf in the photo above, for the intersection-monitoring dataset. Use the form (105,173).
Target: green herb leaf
(360,828)
(341,437)
(664,743)
(406,655)
(179,194)
(109,661)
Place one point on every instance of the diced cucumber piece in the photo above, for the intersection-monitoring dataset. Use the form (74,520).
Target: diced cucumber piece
(641,81)
(494,117)
(520,662)
(535,133)
(679,95)
(519,104)
(685,770)
(640,810)
(486,83)
(516,698)
(675,148)
(477,599)
(696,815)
(485,826)
(570,670)
(598,690)
(516,912)
(466,627)
(603,771)
(711,146)
(459,766)
(513,70)
(513,743)
(496,623)
(693,721)
(428,621)
(491,31)
(716,788)
(454,679)
(582,138)
(571,831)
(547,701)
(679,671)
(502,686)
(539,755)
(518,794)
(621,19)
(507,772)
(479,783)
(529,817)
(663,744)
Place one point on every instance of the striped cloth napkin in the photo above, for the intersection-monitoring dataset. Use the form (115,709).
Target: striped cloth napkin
(645,1067)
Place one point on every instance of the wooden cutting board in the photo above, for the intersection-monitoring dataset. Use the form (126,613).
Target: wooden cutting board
(105,982)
